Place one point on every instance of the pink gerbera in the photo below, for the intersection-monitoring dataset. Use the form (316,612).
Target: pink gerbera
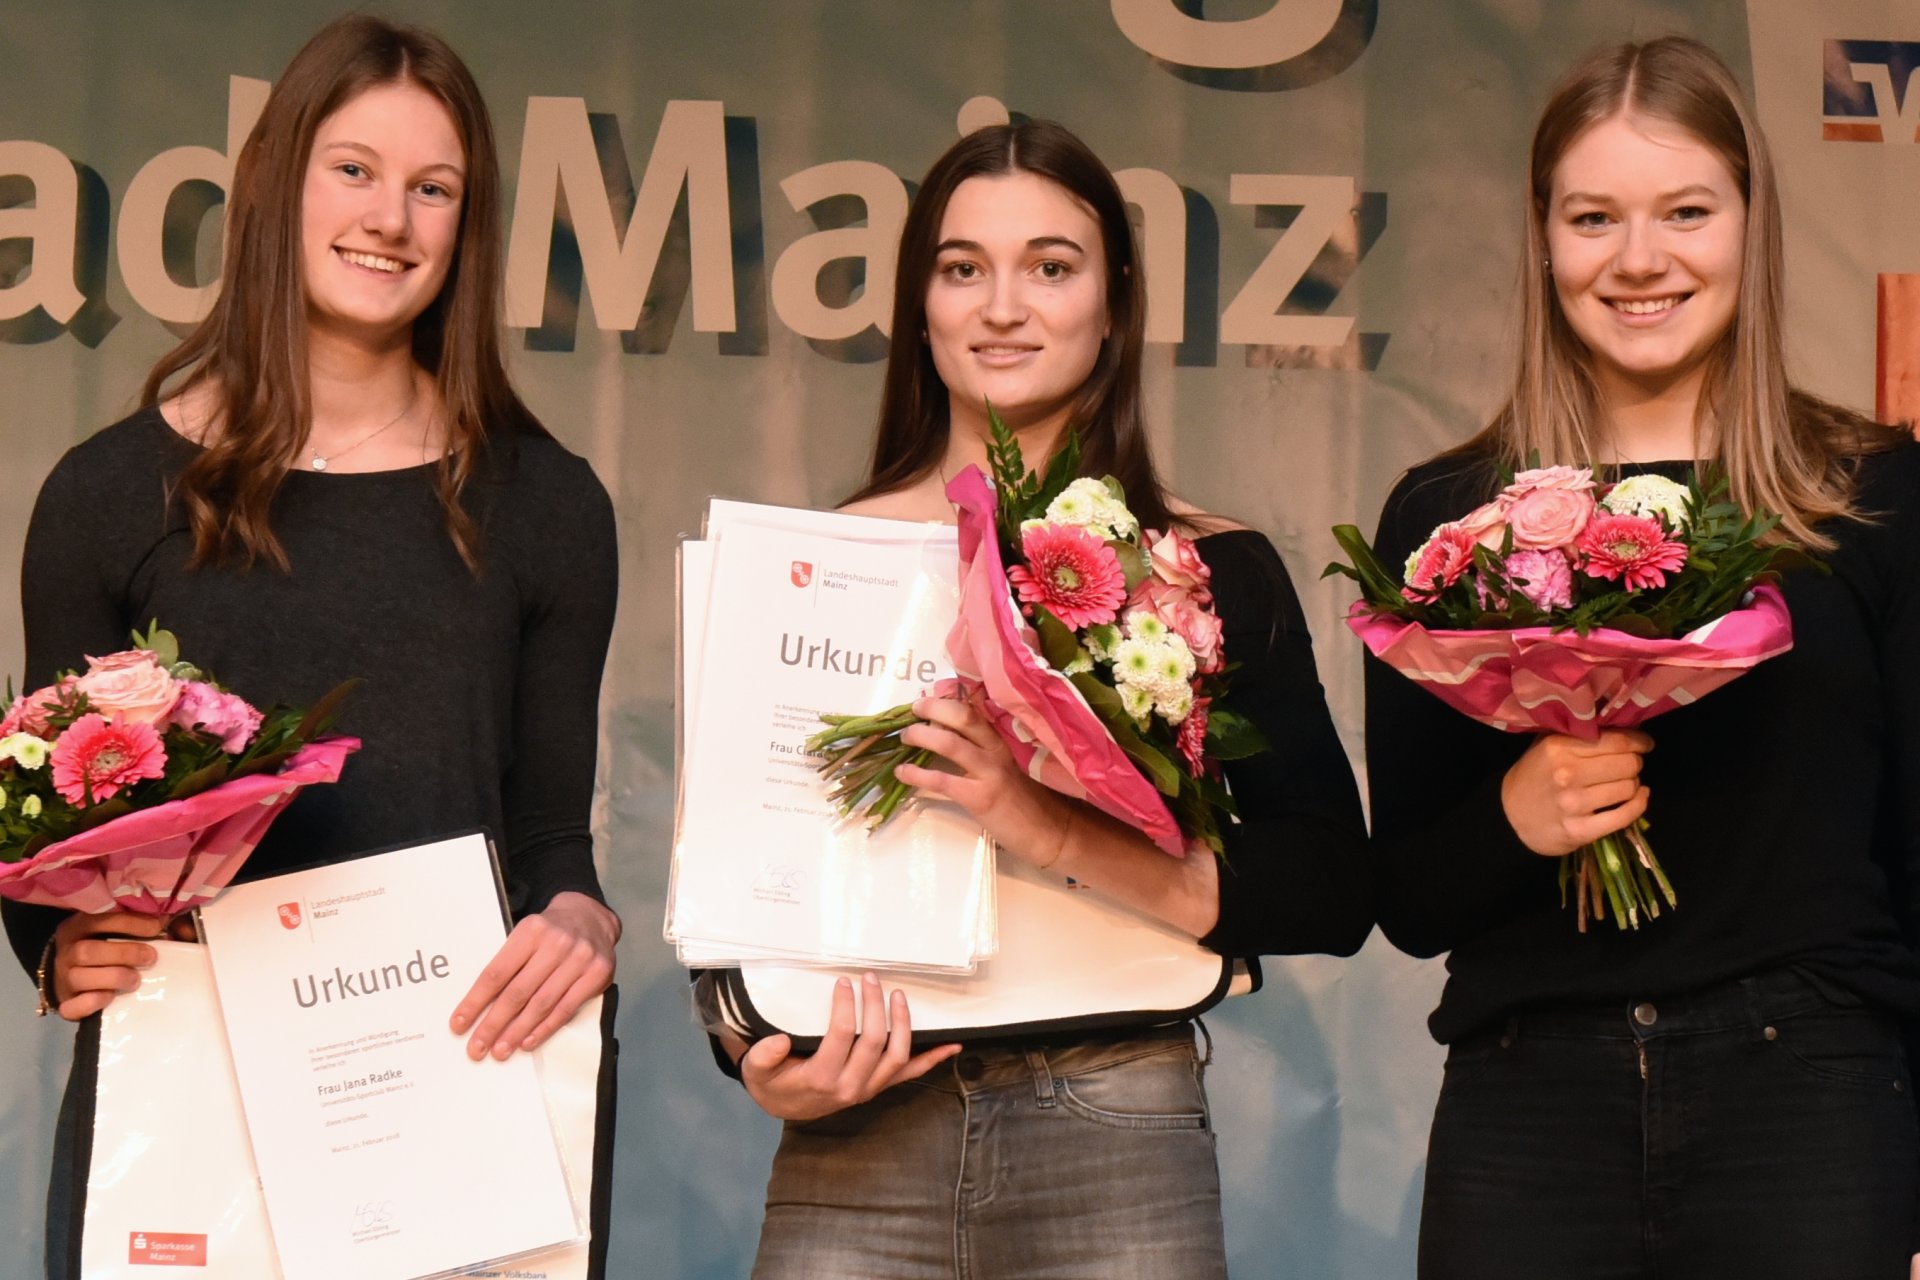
(96,757)
(1070,572)
(1192,737)
(1439,563)
(1634,548)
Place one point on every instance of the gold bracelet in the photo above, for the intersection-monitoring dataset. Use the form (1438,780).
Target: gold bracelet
(40,976)
(1061,849)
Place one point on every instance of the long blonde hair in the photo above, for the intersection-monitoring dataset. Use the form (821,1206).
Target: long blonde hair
(1783,450)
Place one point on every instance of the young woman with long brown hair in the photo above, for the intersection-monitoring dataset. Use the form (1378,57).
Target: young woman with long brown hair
(1086,1154)
(1723,1091)
(331,477)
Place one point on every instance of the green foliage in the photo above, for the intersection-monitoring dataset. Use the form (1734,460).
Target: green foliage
(1025,494)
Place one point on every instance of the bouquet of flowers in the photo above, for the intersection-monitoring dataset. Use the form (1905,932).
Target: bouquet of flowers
(1563,606)
(1107,679)
(141,785)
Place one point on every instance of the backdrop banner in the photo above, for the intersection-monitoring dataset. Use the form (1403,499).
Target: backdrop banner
(704,201)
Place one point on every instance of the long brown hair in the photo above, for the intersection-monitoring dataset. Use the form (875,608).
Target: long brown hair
(253,345)
(1783,449)
(1107,411)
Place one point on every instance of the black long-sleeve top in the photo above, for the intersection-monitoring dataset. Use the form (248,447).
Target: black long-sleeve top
(480,701)
(1785,806)
(1297,877)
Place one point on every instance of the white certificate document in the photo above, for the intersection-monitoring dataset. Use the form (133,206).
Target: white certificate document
(798,621)
(384,1154)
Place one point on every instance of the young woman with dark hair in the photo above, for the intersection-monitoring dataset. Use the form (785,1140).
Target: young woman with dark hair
(1085,1154)
(330,478)
(1722,1091)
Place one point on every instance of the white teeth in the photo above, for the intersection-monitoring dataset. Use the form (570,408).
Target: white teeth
(371,261)
(1645,307)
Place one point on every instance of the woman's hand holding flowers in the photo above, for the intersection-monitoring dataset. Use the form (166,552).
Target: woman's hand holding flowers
(1565,792)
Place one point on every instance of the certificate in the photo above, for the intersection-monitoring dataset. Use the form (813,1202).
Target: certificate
(809,613)
(384,1154)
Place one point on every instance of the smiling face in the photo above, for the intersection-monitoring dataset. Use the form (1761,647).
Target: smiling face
(1017,306)
(380,213)
(1646,230)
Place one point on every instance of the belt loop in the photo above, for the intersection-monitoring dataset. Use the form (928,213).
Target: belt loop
(1206,1037)
(1756,1014)
(1042,1077)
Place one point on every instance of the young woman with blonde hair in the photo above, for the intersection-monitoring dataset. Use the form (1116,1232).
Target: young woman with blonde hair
(1722,1092)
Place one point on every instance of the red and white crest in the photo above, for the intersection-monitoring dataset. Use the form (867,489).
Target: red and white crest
(801,573)
(289,915)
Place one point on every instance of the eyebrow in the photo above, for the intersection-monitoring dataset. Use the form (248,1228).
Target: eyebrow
(1038,242)
(1588,197)
(365,150)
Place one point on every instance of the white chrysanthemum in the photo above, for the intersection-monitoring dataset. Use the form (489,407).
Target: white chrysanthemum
(1175,705)
(1173,665)
(1143,625)
(1089,504)
(1100,641)
(30,807)
(1649,496)
(24,750)
(1137,702)
(1133,662)
(1082,661)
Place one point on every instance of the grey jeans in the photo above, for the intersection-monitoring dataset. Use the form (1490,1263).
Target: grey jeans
(1083,1160)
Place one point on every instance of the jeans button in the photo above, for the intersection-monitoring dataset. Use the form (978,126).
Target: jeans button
(1645,1014)
(970,1067)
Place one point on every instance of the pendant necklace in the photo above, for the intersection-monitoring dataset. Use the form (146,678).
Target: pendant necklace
(320,461)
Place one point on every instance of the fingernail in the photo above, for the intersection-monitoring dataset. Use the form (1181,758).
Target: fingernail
(843,985)
(476,1049)
(502,1051)
(530,1043)
(459,1023)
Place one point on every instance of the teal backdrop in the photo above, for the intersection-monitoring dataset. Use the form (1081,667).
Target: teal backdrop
(705,197)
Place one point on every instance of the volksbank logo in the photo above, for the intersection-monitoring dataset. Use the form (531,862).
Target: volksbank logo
(1870,93)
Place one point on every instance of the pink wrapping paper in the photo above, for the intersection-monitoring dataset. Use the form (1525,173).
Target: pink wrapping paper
(1535,679)
(1054,735)
(174,856)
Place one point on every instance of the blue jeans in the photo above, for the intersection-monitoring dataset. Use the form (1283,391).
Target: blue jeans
(1083,1160)
(1758,1129)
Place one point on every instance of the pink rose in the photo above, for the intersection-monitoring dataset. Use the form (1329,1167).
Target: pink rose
(225,716)
(28,714)
(1177,562)
(1565,479)
(1545,518)
(1487,525)
(1544,577)
(1187,618)
(1439,563)
(131,686)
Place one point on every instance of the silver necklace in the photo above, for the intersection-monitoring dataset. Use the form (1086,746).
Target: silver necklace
(320,461)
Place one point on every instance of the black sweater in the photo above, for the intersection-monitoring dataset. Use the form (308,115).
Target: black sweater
(1296,878)
(480,701)
(1784,806)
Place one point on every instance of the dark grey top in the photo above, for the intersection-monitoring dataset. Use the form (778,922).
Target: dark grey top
(480,701)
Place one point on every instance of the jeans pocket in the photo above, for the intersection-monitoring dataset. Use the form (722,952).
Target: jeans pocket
(1859,1048)
(1160,1090)
(1470,1060)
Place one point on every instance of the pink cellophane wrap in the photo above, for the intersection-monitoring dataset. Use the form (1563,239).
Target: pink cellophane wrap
(1536,679)
(174,856)
(1054,735)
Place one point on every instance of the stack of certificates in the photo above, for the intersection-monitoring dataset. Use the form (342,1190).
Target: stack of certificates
(785,615)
